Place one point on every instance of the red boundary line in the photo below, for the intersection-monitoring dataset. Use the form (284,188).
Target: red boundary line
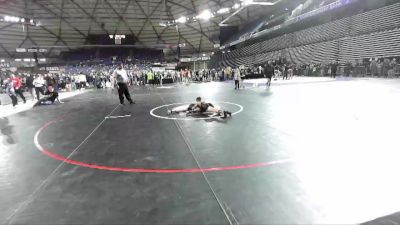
(144,170)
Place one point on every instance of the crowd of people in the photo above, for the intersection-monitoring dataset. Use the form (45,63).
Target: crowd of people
(97,75)
(42,89)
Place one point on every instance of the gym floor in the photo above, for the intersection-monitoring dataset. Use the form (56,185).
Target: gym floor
(303,152)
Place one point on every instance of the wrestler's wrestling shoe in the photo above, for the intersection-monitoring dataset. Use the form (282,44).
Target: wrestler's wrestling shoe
(224,115)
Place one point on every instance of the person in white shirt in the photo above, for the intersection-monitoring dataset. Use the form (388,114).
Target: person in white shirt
(112,82)
(122,79)
(39,84)
(237,78)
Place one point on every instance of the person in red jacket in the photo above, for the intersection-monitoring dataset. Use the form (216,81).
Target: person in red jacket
(17,84)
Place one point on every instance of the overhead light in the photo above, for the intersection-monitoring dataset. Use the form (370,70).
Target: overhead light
(205,15)
(42,60)
(31,21)
(181,19)
(2,60)
(27,60)
(20,49)
(162,24)
(236,6)
(11,19)
(252,2)
(223,10)
(248,2)
(17,60)
(22,20)
(204,54)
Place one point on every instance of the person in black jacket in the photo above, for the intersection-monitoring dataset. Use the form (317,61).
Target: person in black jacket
(268,73)
(334,69)
(30,86)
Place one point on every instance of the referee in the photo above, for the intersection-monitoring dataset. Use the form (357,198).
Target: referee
(122,79)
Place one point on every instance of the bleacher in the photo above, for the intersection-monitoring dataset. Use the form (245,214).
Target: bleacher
(367,35)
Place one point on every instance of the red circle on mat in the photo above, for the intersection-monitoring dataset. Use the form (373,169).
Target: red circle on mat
(144,170)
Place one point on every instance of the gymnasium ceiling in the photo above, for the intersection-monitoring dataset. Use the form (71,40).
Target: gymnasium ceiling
(65,24)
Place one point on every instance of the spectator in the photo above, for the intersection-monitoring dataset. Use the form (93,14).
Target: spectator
(334,66)
(374,68)
(237,77)
(29,85)
(17,84)
(39,84)
(9,87)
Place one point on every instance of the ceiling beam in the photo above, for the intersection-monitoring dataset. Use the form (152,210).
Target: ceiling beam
(123,13)
(123,20)
(6,26)
(101,25)
(147,16)
(55,14)
(92,14)
(169,13)
(5,50)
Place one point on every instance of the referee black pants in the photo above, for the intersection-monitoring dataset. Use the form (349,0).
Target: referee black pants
(37,91)
(123,90)
(236,84)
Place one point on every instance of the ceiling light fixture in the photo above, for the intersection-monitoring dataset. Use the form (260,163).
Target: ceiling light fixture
(181,19)
(247,2)
(205,15)
(223,10)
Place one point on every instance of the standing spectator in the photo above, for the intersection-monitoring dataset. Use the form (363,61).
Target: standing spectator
(334,69)
(77,82)
(150,77)
(268,73)
(347,69)
(29,85)
(112,82)
(39,84)
(68,83)
(290,72)
(11,91)
(82,80)
(391,71)
(379,66)
(237,78)
(17,84)
(385,67)
(374,68)
(285,69)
